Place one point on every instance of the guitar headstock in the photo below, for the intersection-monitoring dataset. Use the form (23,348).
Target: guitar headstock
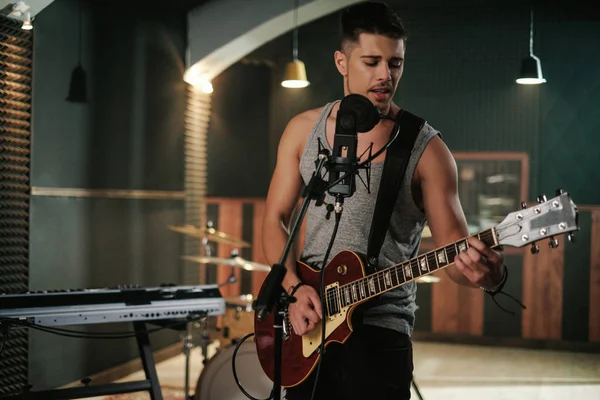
(544,220)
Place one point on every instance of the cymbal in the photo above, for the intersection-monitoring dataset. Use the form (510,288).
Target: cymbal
(231,261)
(428,279)
(210,234)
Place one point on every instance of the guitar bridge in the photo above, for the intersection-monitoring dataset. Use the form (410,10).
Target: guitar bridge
(287,325)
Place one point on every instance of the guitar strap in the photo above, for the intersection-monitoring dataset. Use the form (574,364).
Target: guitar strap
(394,169)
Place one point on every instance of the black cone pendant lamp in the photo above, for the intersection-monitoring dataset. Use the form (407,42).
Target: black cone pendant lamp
(531,66)
(77,87)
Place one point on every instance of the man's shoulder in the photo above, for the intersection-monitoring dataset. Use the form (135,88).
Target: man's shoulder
(307,117)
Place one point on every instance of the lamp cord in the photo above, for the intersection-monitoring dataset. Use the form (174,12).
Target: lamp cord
(295,34)
(531,33)
(80,12)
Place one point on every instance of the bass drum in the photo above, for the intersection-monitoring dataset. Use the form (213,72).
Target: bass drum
(216,381)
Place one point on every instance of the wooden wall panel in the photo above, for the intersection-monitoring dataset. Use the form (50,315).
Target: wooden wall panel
(455,308)
(230,222)
(258,254)
(542,292)
(594,318)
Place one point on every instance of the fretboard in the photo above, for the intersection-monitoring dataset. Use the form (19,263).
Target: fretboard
(392,277)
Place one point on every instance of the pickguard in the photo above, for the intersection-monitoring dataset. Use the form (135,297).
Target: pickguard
(312,340)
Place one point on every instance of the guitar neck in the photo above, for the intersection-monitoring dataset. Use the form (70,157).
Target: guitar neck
(387,279)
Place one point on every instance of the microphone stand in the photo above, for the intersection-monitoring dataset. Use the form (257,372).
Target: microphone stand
(272,297)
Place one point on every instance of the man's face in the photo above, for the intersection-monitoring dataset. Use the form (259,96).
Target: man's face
(372,68)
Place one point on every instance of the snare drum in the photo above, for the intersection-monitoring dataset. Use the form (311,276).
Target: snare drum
(238,320)
(216,381)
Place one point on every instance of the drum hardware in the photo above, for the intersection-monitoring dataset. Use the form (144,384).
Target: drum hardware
(214,382)
(238,316)
(209,233)
(187,347)
(233,261)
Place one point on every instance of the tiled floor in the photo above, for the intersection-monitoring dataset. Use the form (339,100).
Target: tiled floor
(442,371)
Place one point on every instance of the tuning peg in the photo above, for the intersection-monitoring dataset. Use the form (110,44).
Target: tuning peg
(534,248)
(571,237)
(559,191)
(541,198)
(553,243)
(523,205)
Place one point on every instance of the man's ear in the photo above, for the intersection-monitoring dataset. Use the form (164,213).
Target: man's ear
(341,62)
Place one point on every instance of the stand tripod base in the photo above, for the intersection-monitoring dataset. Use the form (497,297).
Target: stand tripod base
(414,385)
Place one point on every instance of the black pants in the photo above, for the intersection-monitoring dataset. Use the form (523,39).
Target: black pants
(374,363)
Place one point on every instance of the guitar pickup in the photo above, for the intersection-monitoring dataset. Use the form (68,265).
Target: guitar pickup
(333,300)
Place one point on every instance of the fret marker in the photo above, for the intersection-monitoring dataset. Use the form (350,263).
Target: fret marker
(441,255)
(371,285)
(353,288)
(423,263)
(361,289)
(407,271)
(462,246)
(347,294)
(388,279)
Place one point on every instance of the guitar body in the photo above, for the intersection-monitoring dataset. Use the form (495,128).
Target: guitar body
(300,353)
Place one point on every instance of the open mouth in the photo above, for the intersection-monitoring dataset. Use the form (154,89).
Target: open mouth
(381,93)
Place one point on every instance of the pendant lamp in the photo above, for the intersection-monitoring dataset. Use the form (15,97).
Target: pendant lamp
(77,87)
(295,71)
(531,67)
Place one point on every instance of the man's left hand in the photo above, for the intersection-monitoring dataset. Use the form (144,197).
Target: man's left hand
(480,264)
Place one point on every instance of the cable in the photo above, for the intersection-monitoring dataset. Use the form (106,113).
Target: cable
(323,304)
(89,335)
(235,377)
(369,159)
(333,235)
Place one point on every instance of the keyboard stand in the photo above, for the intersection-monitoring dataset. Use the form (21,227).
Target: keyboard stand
(150,384)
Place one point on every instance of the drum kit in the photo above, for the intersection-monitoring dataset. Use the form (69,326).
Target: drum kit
(216,380)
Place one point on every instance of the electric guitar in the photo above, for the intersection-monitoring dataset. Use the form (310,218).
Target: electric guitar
(347,286)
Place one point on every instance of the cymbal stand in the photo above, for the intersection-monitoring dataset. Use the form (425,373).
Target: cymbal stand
(188,343)
(187,348)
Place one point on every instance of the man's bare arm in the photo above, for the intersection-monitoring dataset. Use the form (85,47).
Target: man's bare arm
(283,195)
(437,173)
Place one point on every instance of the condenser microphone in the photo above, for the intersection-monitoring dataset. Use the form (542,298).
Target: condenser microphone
(356,114)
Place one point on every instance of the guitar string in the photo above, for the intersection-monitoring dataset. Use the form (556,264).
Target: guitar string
(430,256)
(378,276)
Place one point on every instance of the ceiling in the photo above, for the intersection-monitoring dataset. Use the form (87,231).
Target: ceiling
(36,6)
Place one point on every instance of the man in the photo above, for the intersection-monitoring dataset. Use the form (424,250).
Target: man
(376,360)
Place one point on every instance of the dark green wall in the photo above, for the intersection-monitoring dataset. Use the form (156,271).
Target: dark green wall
(238,157)
(461,66)
(130,137)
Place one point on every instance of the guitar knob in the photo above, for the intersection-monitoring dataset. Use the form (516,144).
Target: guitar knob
(571,237)
(535,248)
(553,243)
(559,191)
(541,198)
(523,205)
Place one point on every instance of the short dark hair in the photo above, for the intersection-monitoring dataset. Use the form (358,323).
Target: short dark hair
(370,17)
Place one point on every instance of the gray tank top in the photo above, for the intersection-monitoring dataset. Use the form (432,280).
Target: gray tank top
(397,307)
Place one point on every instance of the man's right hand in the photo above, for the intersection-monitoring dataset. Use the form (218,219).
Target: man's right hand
(306,312)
